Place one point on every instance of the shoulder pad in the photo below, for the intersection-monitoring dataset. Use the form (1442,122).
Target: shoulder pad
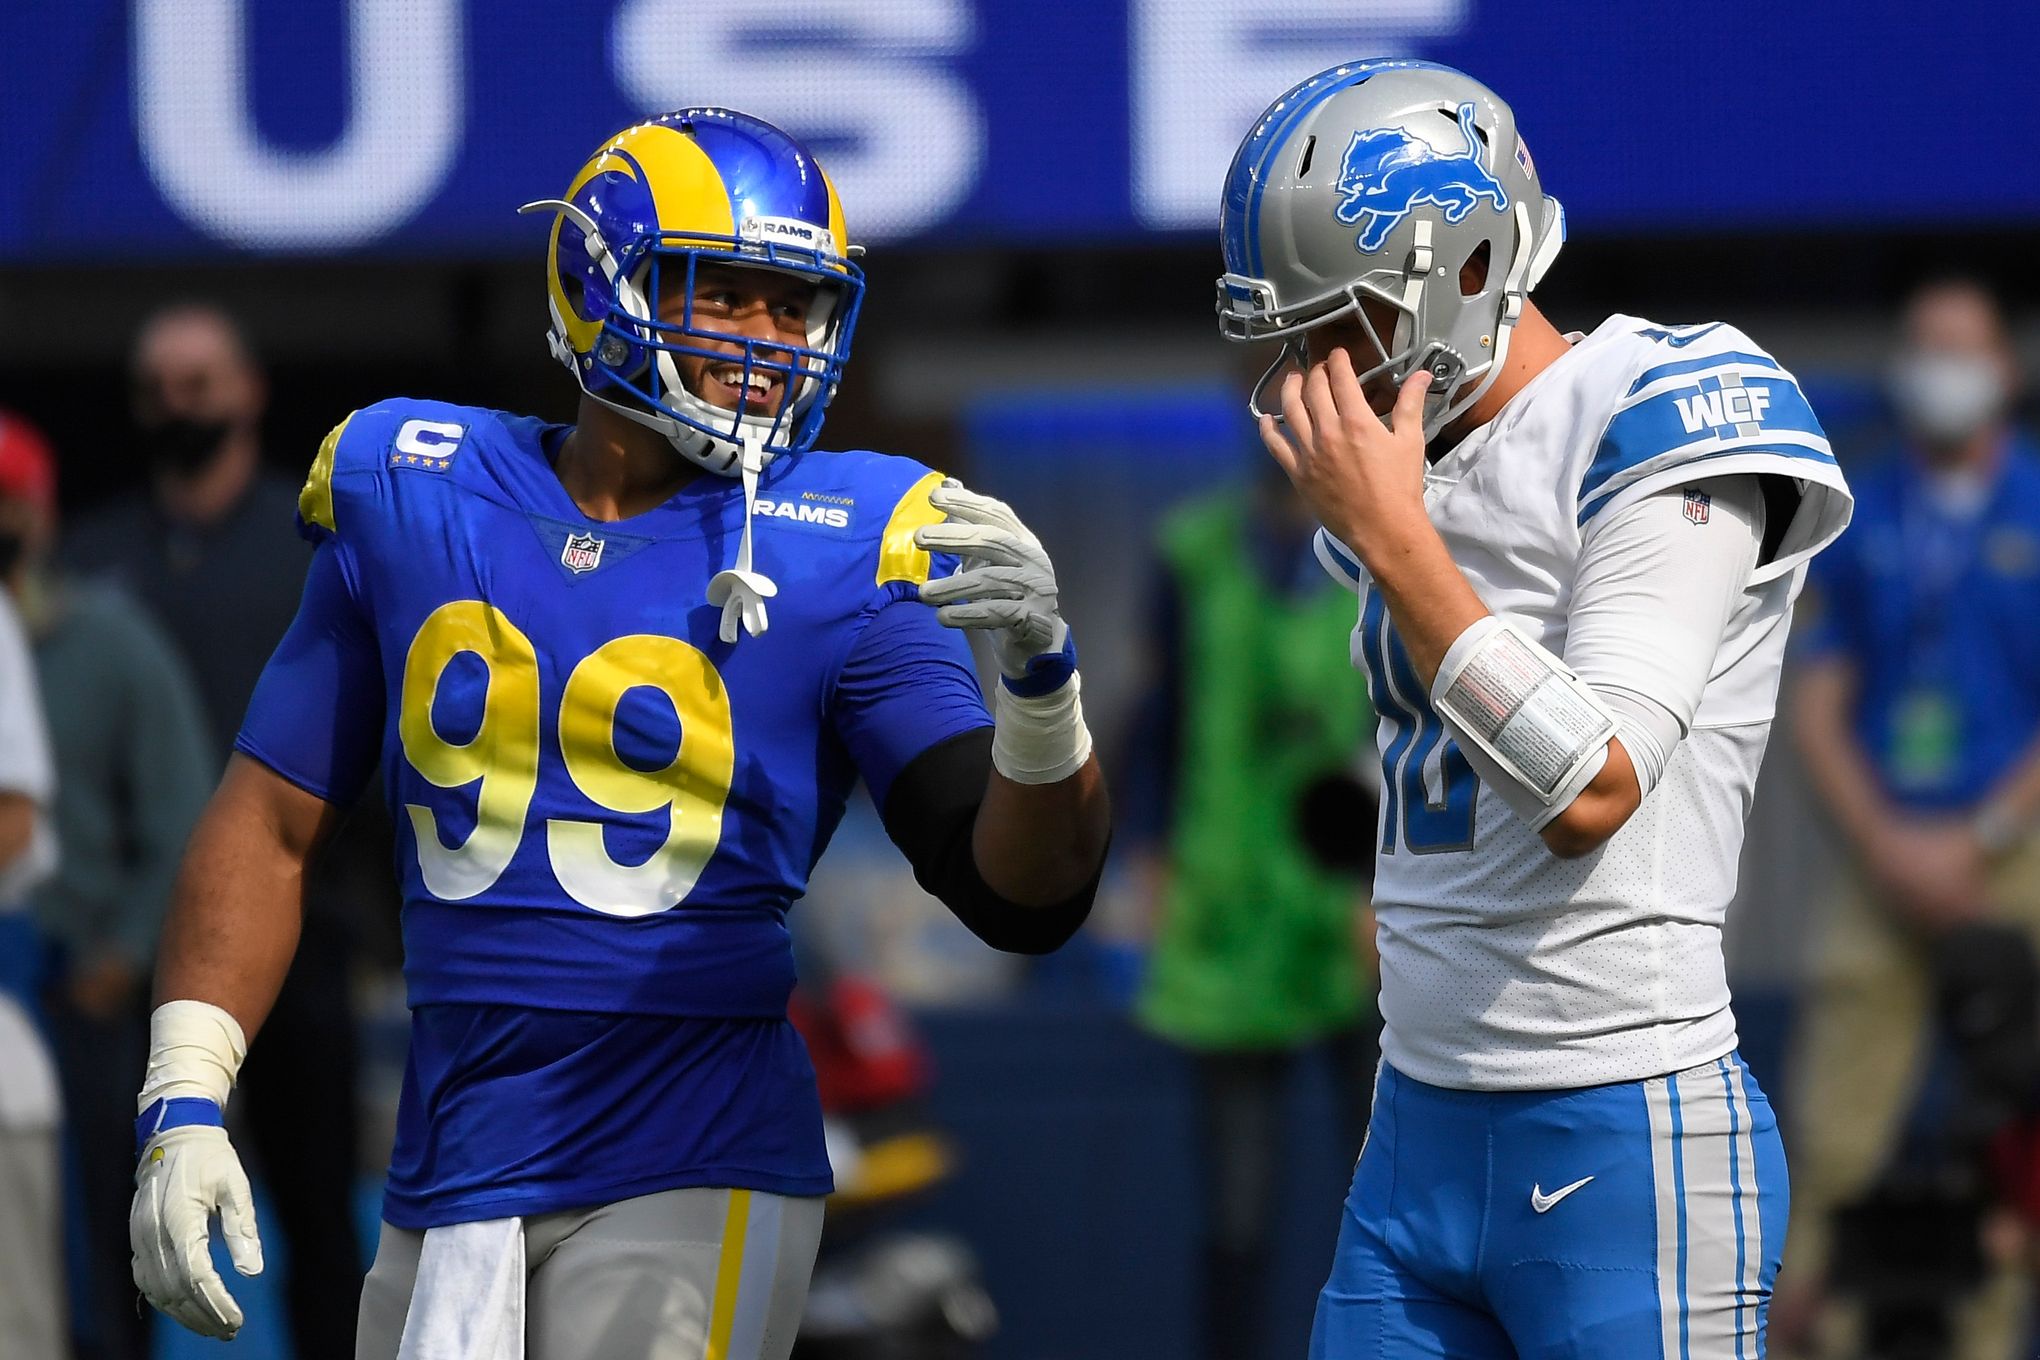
(419,435)
(315,501)
(1706,400)
(899,557)
(873,503)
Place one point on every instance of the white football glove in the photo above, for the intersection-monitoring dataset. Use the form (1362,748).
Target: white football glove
(186,1175)
(1006,587)
(188,1171)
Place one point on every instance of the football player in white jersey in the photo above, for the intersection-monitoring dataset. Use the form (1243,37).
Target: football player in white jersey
(1576,557)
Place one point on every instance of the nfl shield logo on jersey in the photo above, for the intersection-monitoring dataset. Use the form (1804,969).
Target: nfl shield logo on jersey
(584,551)
(1698,504)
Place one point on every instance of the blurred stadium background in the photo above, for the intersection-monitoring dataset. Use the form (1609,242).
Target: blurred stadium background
(1037,184)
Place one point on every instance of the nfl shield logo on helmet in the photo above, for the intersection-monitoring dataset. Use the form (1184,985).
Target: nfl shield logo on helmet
(1698,504)
(584,551)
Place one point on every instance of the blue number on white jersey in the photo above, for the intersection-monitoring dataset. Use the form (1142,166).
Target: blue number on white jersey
(1420,757)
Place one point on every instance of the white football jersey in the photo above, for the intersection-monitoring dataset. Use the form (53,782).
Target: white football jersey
(1504,967)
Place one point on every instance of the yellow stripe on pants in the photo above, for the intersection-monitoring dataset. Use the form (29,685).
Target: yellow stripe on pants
(729,1273)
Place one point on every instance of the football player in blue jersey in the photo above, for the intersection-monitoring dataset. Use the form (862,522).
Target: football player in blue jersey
(621,677)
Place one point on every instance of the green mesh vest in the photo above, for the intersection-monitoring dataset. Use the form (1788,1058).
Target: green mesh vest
(1256,945)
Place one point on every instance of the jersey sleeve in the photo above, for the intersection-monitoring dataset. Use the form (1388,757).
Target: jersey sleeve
(906,684)
(1340,562)
(316,518)
(1728,408)
(317,714)
(1831,610)
(348,484)
(1655,591)
(900,559)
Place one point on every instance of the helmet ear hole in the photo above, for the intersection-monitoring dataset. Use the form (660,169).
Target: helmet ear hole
(1473,275)
(576,292)
(1303,161)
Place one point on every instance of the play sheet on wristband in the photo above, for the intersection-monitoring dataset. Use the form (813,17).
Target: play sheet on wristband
(1523,713)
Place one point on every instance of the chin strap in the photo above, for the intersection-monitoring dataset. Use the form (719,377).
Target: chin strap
(741,591)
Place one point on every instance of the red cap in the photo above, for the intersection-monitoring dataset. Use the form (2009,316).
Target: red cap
(27,470)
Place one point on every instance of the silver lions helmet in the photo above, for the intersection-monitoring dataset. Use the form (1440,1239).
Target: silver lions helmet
(1375,182)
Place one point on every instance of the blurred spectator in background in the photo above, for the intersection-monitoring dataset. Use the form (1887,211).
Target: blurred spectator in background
(130,738)
(211,549)
(209,545)
(1918,713)
(31,1261)
(1255,834)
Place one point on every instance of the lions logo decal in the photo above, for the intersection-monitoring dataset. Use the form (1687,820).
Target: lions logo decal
(1387,172)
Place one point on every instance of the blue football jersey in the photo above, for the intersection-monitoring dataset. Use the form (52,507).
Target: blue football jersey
(603,811)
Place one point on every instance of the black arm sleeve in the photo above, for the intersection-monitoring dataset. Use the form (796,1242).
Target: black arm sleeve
(930,812)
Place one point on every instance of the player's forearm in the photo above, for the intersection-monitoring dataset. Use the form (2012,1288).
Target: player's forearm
(1427,595)
(1598,811)
(1040,844)
(235,912)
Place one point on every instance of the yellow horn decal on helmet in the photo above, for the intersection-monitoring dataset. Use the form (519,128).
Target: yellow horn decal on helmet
(688,191)
(838,232)
(580,332)
(687,194)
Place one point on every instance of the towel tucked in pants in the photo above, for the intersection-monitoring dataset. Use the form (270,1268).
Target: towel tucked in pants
(672,1276)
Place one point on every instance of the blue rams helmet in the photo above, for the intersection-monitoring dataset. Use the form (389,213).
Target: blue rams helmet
(654,204)
(1376,182)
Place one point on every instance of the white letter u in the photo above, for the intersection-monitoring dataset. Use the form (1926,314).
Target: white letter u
(202,148)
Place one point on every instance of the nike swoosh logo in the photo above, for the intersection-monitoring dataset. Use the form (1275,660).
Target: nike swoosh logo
(1541,1202)
(1681,341)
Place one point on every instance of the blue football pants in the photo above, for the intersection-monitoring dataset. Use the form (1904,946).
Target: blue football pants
(1638,1221)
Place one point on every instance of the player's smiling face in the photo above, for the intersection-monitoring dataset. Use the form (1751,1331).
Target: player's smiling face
(743,304)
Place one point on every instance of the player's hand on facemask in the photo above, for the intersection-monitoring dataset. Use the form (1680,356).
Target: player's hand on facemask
(186,1175)
(1362,474)
(1006,587)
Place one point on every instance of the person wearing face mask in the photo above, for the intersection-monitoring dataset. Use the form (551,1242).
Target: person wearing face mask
(1917,708)
(199,544)
(208,547)
(127,730)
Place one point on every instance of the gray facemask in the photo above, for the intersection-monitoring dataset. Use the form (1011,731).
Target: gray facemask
(1945,398)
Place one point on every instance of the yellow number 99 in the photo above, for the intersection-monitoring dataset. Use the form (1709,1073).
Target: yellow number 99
(503,757)
(503,754)
(692,788)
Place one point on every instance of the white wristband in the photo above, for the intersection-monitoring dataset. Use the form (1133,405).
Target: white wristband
(1501,692)
(195,1049)
(1040,740)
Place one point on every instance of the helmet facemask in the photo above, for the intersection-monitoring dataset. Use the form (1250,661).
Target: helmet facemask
(632,366)
(1426,300)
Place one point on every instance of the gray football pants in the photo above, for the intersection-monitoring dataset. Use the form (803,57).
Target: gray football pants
(33,1315)
(680,1275)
